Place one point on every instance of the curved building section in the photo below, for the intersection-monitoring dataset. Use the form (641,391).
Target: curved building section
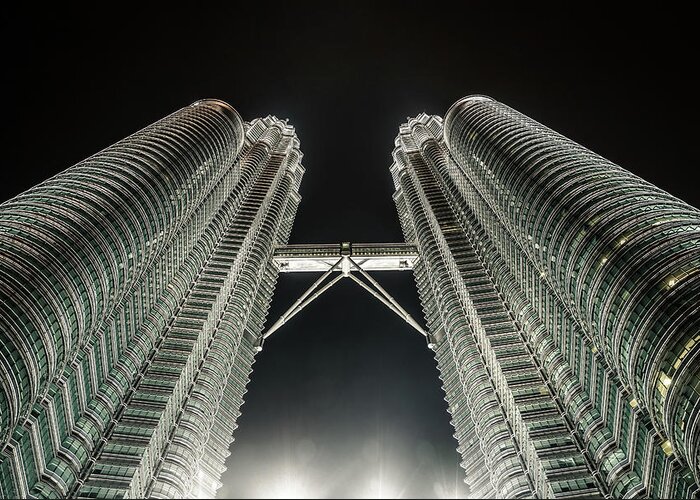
(193,462)
(616,259)
(72,246)
(505,412)
(160,248)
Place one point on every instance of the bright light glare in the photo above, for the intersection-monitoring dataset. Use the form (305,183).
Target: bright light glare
(378,471)
(294,485)
(381,488)
(443,490)
(290,485)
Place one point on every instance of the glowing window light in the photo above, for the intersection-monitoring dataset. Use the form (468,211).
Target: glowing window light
(663,384)
(666,446)
(686,349)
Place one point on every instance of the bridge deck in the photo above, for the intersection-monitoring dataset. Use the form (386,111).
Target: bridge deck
(321,257)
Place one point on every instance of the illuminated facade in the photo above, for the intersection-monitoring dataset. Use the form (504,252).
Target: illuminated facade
(133,291)
(561,294)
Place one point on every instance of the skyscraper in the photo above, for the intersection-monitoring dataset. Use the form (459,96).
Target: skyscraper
(133,290)
(560,294)
(562,298)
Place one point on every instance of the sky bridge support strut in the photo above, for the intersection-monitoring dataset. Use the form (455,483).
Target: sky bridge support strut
(345,259)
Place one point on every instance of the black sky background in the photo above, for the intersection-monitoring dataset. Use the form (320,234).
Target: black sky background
(345,397)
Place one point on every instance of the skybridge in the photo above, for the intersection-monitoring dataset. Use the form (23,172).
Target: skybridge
(345,260)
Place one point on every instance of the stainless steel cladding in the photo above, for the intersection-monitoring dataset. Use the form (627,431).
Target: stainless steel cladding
(562,293)
(133,289)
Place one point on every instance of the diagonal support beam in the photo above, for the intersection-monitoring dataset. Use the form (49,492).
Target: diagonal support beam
(397,307)
(302,301)
(316,283)
(405,316)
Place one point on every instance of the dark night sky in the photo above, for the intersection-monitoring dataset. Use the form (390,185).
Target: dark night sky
(346,396)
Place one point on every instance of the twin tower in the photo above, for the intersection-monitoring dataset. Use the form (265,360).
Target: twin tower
(561,295)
